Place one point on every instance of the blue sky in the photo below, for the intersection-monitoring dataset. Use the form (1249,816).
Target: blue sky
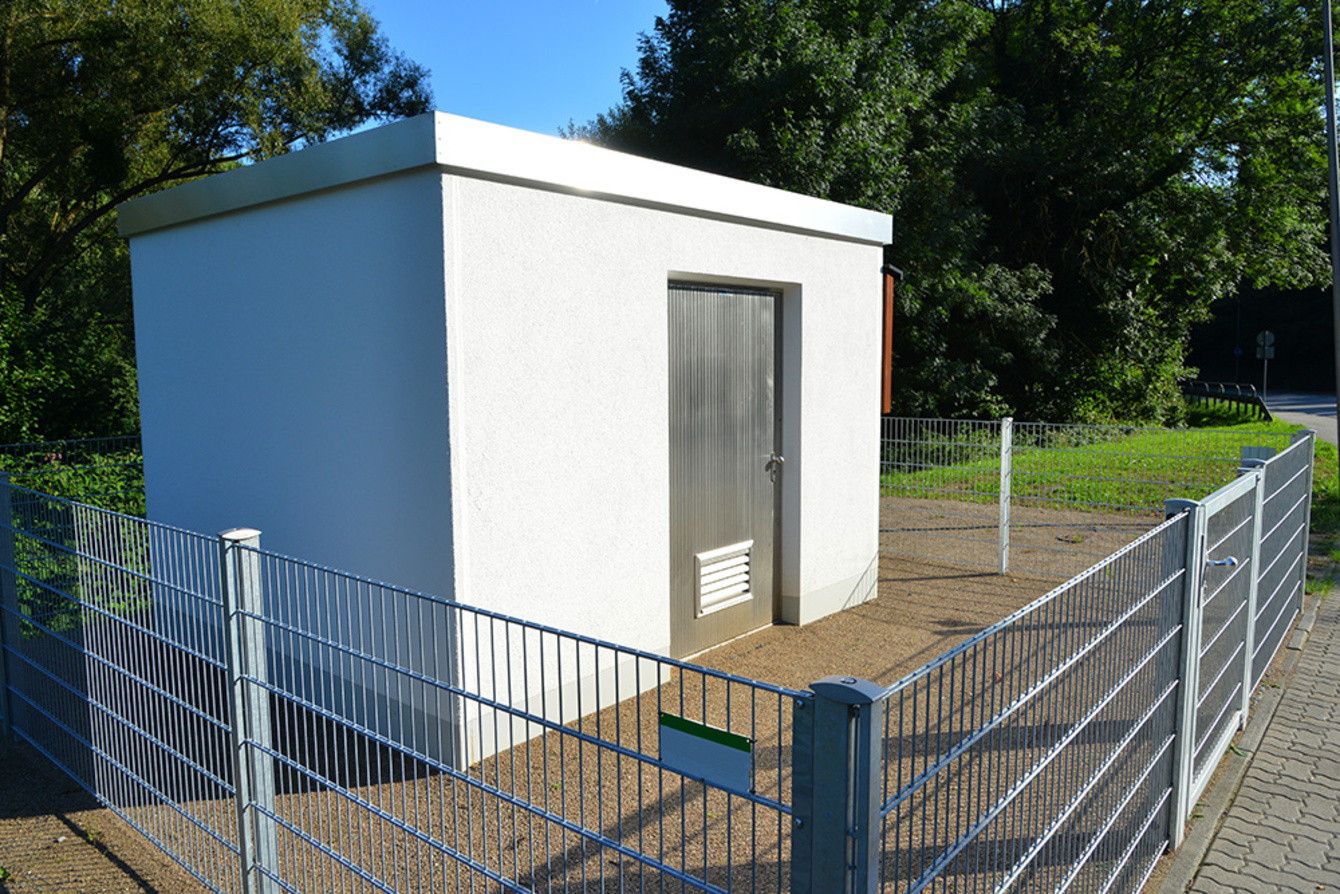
(532,64)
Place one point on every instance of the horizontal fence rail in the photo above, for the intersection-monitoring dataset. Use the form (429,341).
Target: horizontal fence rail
(1038,497)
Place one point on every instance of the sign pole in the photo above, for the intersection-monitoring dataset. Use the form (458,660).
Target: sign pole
(1333,168)
(1265,352)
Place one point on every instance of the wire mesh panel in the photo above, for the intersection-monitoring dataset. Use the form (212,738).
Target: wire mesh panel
(1080,491)
(421,745)
(1038,754)
(1283,562)
(939,488)
(1064,495)
(1224,608)
(113,670)
(271,722)
(103,472)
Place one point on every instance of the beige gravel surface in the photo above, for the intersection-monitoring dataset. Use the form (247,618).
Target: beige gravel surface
(54,837)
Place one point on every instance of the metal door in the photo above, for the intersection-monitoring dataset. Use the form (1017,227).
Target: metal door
(723,463)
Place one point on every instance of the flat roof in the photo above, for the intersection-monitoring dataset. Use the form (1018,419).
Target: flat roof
(472,148)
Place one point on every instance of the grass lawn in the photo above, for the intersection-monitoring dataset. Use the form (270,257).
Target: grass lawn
(1113,468)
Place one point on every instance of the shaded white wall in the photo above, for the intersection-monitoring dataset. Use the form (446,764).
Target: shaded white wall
(292,368)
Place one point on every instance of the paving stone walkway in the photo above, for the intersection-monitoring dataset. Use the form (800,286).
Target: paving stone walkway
(1282,832)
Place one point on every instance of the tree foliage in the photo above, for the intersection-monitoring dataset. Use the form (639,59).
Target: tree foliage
(1074,181)
(807,96)
(105,100)
(69,375)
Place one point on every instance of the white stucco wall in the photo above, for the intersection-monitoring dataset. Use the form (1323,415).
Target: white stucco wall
(560,401)
(437,355)
(292,368)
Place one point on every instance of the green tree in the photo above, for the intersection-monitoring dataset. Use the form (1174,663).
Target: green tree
(1150,157)
(1074,181)
(806,95)
(105,100)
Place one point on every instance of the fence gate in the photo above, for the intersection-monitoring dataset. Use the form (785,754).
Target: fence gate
(724,463)
(1220,596)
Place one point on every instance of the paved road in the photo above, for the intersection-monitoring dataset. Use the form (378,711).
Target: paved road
(1313,410)
(1282,832)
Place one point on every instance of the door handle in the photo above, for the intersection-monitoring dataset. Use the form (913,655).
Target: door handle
(775,462)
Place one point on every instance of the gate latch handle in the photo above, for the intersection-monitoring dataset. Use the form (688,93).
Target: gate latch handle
(775,462)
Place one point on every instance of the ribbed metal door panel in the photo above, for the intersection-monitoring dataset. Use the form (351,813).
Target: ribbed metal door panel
(722,436)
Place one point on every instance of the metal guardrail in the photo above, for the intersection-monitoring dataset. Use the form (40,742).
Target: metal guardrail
(1234,393)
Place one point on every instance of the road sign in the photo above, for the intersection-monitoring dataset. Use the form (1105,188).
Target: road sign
(1265,352)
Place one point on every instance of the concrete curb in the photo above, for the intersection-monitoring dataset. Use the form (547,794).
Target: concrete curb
(1187,860)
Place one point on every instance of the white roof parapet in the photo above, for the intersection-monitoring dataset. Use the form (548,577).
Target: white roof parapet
(474,148)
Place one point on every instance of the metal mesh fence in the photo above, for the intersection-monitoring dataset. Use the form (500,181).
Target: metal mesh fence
(1221,624)
(1038,754)
(939,487)
(1283,564)
(103,472)
(1039,497)
(113,669)
(270,722)
(357,736)
(422,745)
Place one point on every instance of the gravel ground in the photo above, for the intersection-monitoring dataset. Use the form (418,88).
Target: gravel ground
(54,837)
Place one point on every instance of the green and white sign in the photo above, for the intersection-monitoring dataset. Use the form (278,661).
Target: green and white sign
(715,756)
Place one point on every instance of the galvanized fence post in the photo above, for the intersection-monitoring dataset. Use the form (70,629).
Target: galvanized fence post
(251,735)
(1006,462)
(837,756)
(1184,749)
(1253,467)
(9,601)
(1311,437)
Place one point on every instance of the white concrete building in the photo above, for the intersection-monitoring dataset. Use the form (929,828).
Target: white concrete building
(606,394)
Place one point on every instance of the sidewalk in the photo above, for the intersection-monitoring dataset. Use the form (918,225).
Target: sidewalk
(1281,829)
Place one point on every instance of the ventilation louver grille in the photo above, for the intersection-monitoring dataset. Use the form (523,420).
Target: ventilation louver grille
(724,577)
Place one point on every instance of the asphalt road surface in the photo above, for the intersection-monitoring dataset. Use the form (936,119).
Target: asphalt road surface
(1316,411)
